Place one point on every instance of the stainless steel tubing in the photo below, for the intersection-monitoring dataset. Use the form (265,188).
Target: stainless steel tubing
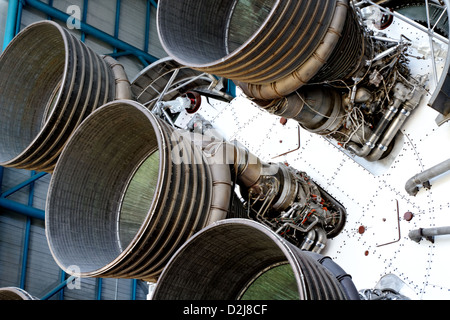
(388,115)
(429,233)
(222,189)
(122,84)
(227,260)
(396,124)
(150,83)
(12,293)
(321,240)
(309,240)
(122,198)
(269,47)
(411,185)
(49,82)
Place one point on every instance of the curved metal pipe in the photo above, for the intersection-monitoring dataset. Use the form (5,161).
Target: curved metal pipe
(225,260)
(222,189)
(220,156)
(282,188)
(321,240)
(49,82)
(250,171)
(309,240)
(123,86)
(206,139)
(123,198)
(222,192)
(248,168)
(425,176)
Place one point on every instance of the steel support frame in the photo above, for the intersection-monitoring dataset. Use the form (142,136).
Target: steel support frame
(11,21)
(85,28)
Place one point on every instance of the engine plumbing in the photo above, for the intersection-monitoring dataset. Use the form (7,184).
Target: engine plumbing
(339,75)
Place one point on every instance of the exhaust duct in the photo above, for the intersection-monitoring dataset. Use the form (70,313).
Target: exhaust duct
(318,62)
(50,81)
(119,201)
(239,259)
(271,48)
(12,293)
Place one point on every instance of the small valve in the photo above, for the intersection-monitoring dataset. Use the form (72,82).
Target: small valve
(196,101)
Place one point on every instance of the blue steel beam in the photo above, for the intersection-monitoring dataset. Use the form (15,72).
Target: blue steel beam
(62,279)
(50,3)
(26,242)
(26,210)
(117,21)
(84,17)
(147,25)
(154,4)
(11,21)
(19,17)
(90,30)
(99,288)
(58,288)
(22,185)
(26,245)
(22,209)
(133,289)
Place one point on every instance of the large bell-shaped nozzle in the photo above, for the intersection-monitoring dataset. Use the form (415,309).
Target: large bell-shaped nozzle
(49,82)
(13,293)
(270,47)
(242,259)
(122,199)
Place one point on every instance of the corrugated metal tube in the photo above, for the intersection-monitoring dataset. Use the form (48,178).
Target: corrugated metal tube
(13,293)
(270,48)
(240,259)
(49,82)
(127,191)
